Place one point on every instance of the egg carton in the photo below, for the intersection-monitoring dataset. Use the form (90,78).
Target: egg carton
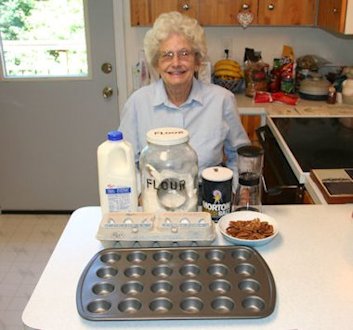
(144,229)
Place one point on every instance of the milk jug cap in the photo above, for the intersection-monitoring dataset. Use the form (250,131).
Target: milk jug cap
(167,136)
(115,136)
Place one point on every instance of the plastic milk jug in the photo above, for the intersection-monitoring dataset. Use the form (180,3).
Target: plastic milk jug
(117,175)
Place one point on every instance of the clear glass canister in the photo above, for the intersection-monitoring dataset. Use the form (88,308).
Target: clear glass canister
(169,171)
(248,194)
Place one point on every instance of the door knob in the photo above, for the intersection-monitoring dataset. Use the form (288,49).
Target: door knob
(107,68)
(107,92)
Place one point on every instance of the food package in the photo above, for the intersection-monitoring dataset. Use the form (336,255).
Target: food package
(255,73)
(262,97)
(267,97)
(289,99)
(287,70)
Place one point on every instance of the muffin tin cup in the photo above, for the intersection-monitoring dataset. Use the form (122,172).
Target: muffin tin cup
(176,283)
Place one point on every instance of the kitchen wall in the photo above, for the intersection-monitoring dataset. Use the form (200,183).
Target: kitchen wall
(269,40)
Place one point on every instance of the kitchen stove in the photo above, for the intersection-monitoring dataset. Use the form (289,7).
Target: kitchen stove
(313,143)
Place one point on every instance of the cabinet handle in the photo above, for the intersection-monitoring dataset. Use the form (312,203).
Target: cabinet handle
(185,7)
(271,6)
(245,6)
(335,10)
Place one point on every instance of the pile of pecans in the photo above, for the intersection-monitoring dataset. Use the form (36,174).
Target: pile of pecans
(250,229)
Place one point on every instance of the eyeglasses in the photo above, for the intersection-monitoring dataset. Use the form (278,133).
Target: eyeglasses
(182,54)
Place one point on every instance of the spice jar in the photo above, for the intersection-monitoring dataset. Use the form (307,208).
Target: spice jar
(169,171)
(332,95)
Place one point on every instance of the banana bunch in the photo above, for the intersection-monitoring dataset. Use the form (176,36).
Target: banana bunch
(228,69)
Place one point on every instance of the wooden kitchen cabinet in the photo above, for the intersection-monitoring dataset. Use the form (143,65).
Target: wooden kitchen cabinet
(307,199)
(224,12)
(286,12)
(336,16)
(266,12)
(251,123)
(144,12)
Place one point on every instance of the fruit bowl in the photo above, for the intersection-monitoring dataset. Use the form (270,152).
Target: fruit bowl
(234,85)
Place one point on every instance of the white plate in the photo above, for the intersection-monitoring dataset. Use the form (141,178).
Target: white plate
(223,224)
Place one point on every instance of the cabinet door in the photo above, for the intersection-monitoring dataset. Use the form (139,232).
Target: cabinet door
(332,15)
(224,12)
(144,12)
(140,12)
(251,123)
(287,12)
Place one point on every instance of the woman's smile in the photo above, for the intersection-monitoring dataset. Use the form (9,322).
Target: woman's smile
(177,63)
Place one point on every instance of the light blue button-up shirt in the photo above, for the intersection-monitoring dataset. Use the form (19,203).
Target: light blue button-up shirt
(209,115)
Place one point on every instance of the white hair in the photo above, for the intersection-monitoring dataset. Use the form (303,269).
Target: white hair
(169,23)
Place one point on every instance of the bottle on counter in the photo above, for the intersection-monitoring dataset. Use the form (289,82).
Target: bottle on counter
(275,76)
(332,95)
(117,175)
(255,73)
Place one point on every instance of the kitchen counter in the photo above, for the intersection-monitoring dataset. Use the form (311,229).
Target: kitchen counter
(304,108)
(247,106)
(311,260)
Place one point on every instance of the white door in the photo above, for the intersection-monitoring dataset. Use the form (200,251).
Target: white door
(50,130)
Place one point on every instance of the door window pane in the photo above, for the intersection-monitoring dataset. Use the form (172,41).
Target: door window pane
(43,38)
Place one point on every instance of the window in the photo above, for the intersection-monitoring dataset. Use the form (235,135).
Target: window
(43,39)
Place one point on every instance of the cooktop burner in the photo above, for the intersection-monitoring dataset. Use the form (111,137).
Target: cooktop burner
(317,143)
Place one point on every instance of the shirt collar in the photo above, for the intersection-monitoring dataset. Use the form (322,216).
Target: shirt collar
(161,97)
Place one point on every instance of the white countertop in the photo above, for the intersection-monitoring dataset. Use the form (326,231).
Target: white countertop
(311,260)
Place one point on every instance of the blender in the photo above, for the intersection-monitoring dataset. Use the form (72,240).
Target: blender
(248,193)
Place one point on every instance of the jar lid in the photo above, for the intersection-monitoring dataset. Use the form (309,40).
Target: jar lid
(314,85)
(167,136)
(217,174)
(250,151)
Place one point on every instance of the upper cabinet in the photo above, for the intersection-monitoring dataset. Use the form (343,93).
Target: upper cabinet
(336,16)
(224,12)
(144,12)
(287,12)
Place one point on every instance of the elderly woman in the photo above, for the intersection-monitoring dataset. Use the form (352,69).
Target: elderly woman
(175,48)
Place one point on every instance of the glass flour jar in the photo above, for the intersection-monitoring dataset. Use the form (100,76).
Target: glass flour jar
(169,171)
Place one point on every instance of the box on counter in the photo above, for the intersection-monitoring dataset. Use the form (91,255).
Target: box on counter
(336,185)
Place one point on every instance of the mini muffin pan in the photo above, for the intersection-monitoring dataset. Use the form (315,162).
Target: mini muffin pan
(145,229)
(176,283)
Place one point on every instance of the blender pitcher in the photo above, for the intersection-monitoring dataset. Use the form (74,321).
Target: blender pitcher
(248,194)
